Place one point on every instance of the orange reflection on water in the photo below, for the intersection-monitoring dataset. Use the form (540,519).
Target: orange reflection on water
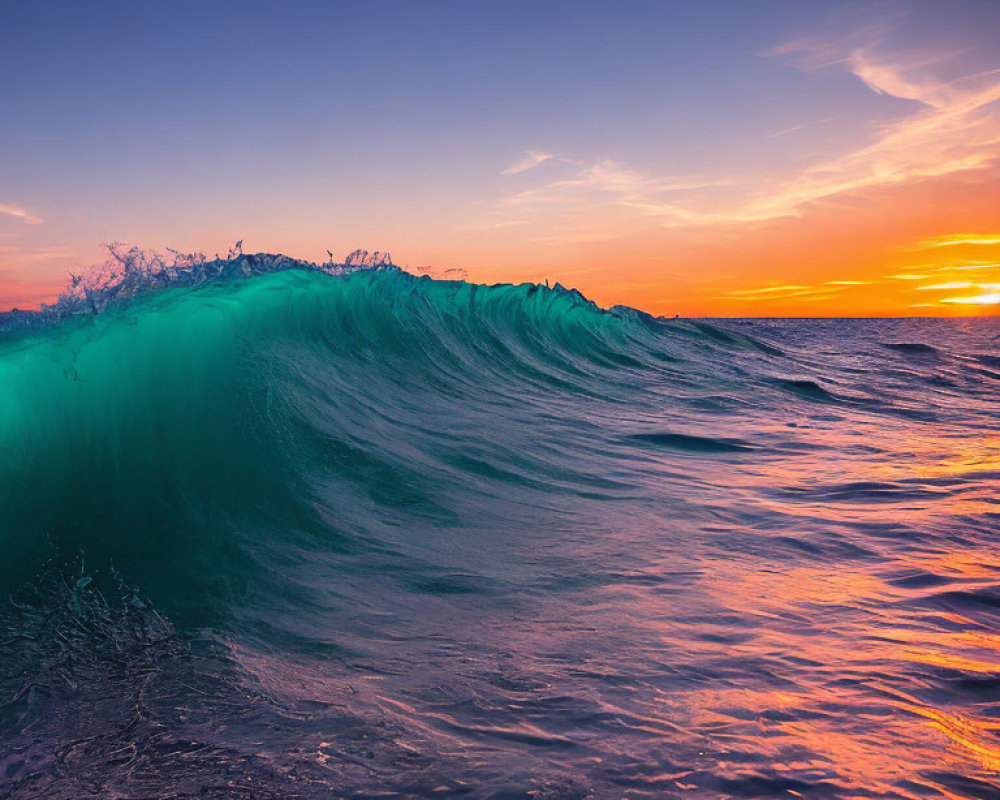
(932,478)
(878,751)
(978,737)
(874,665)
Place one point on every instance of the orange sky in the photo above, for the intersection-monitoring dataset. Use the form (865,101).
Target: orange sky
(922,247)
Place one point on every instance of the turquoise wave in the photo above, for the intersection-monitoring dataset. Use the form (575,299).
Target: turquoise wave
(172,435)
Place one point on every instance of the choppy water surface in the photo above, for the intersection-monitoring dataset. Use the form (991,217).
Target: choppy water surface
(375,536)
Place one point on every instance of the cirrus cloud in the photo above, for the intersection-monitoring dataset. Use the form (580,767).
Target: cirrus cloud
(953,126)
(529,160)
(16,211)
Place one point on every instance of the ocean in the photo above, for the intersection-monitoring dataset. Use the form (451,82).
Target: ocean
(371,535)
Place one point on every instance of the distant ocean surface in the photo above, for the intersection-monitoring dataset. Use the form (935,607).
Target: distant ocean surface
(378,536)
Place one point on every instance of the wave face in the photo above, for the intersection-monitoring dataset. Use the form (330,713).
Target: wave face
(303,535)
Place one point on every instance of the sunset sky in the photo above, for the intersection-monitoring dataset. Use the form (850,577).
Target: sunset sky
(773,158)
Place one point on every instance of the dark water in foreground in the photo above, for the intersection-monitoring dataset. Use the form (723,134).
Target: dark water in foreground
(374,536)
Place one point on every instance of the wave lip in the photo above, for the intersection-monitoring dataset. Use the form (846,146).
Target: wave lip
(131,271)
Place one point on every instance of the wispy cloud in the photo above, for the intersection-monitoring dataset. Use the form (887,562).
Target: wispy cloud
(32,255)
(959,239)
(769,290)
(937,287)
(622,196)
(964,267)
(529,160)
(801,127)
(988,293)
(613,178)
(926,271)
(953,126)
(985,299)
(20,213)
(795,292)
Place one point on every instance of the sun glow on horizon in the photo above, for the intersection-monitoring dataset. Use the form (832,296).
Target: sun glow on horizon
(959,239)
(986,299)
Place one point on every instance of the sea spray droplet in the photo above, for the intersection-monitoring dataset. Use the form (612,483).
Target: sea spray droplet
(131,271)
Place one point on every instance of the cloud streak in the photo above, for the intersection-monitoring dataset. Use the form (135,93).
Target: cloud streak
(20,213)
(959,239)
(801,127)
(985,299)
(528,161)
(952,127)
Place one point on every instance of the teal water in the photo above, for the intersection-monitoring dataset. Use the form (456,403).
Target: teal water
(372,535)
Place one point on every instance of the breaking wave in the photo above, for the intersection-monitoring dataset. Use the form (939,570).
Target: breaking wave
(280,529)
